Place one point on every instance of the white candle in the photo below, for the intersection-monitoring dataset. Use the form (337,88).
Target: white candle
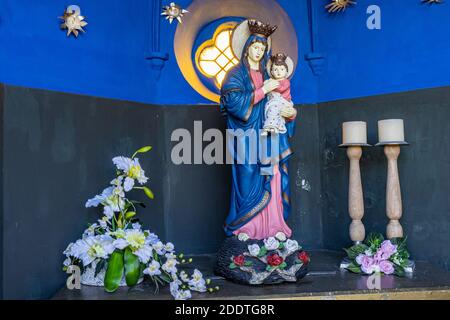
(354,132)
(391,130)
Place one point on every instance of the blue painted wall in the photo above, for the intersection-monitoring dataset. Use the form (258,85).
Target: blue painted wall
(109,60)
(409,51)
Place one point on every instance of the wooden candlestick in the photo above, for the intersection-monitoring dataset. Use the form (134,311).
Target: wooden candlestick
(393,193)
(355,195)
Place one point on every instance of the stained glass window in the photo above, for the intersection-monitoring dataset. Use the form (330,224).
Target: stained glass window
(214,57)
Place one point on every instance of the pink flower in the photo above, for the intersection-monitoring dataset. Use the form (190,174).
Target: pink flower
(386,267)
(359,258)
(367,264)
(388,249)
(380,256)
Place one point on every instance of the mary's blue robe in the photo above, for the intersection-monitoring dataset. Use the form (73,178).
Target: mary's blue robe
(251,190)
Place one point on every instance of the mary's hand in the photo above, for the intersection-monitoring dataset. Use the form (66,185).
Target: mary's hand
(288,112)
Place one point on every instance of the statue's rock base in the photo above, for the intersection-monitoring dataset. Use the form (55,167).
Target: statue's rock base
(235,262)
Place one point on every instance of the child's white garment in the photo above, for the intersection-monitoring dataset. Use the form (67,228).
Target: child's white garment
(273,118)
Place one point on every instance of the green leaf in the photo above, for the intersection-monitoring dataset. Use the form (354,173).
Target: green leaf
(248,263)
(355,250)
(281,246)
(400,243)
(142,150)
(132,267)
(148,192)
(155,256)
(139,203)
(374,239)
(114,272)
(233,266)
(283,265)
(269,268)
(399,271)
(166,277)
(262,251)
(141,270)
(354,268)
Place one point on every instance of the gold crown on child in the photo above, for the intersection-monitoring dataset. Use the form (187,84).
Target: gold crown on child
(259,28)
(279,58)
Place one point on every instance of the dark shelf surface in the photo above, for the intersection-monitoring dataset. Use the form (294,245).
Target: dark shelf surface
(325,279)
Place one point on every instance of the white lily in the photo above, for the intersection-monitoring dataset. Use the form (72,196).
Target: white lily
(144,254)
(103,222)
(169,247)
(197,283)
(170,266)
(118,189)
(91,248)
(112,202)
(182,295)
(135,238)
(159,248)
(174,286)
(184,276)
(153,269)
(98,199)
(177,293)
(152,238)
(68,251)
(170,255)
(137,241)
(90,231)
(132,170)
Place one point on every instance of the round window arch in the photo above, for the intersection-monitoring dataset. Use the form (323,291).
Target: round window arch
(214,57)
(207,11)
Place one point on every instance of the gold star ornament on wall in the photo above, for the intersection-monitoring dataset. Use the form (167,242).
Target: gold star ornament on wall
(73,20)
(173,11)
(338,5)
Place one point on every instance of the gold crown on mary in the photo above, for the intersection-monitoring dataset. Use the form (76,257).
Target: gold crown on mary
(259,28)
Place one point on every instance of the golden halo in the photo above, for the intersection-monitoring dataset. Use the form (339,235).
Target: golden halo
(211,10)
(239,38)
(290,64)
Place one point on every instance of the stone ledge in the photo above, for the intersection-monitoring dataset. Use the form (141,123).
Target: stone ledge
(325,281)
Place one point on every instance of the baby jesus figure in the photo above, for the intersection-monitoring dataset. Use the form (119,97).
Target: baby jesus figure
(279,99)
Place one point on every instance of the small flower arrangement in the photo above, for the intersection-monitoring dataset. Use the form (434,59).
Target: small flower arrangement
(273,254)
(119,251)
(377,255)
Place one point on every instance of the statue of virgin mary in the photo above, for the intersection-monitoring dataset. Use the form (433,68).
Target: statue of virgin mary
(259,203)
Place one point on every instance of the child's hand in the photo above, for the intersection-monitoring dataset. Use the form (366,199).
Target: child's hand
(270,85)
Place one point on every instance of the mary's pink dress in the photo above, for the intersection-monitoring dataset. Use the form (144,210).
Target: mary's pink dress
(270,220)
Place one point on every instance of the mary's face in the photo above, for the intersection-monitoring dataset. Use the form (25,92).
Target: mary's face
(256,51)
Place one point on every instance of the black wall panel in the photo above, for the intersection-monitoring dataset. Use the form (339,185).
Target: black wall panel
(424,169)
(57,150)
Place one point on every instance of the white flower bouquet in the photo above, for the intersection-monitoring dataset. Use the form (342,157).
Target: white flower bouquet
(116,251)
